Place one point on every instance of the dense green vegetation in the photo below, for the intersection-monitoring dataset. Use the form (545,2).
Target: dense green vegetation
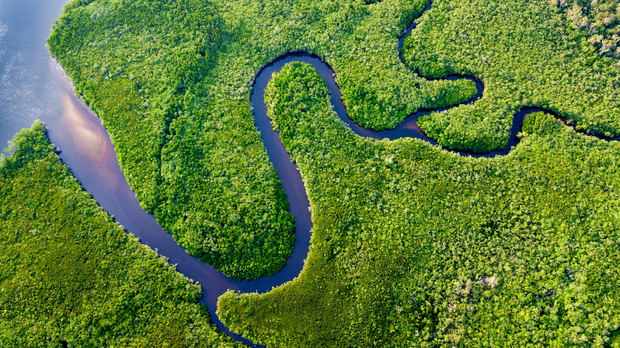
(171,81)
(69,274)
(417,246)
(412,244)
(599,18)
(138,63)
(526,54)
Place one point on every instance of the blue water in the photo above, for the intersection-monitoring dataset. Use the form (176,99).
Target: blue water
(29,89)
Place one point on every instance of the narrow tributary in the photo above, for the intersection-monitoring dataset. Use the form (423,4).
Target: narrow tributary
(87,150)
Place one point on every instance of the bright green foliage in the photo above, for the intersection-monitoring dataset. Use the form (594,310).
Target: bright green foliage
(599,18)
(137,63)
(526,54)
(171,81)
(412,245)
(417,246)
(69,274)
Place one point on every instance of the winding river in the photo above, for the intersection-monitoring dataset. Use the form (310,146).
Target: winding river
(86,148)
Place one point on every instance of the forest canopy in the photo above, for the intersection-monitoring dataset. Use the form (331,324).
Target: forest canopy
(69,275)
(171,81)
(599,18)
(414,245)
(417,246)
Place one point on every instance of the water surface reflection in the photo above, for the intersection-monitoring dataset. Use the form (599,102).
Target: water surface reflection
(29,89)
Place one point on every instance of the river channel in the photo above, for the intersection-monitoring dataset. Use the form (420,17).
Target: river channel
(33,86)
